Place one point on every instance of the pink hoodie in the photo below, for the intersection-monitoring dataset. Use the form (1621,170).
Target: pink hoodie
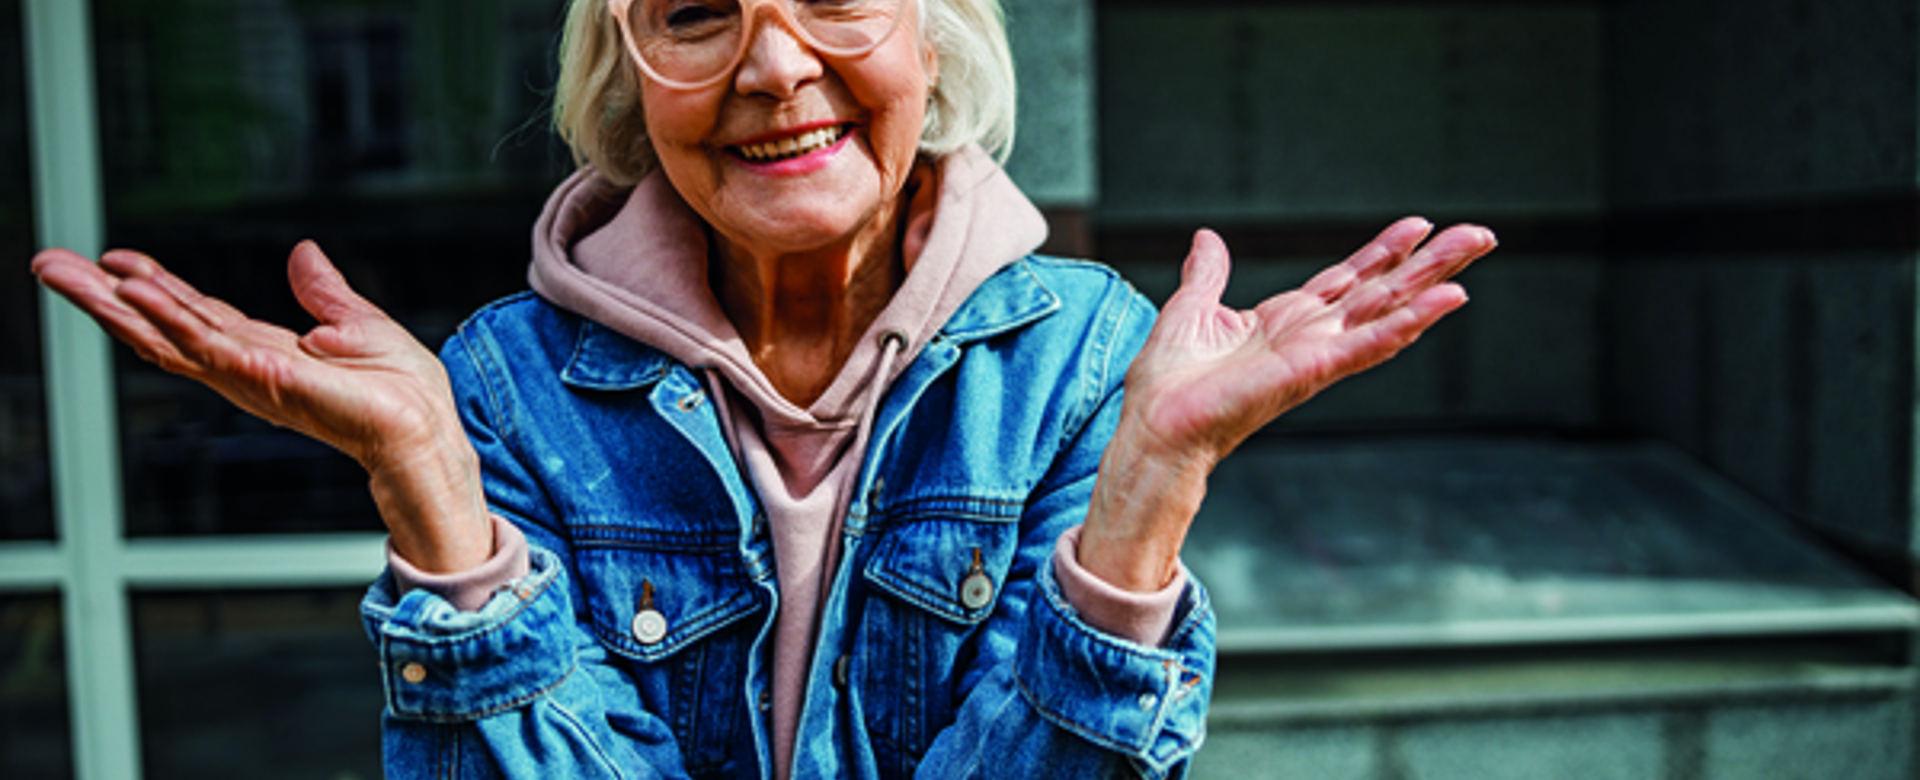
(636,261)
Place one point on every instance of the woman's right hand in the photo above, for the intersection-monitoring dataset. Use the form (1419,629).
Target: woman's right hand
(357,381)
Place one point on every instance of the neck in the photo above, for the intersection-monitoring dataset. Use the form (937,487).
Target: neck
(802,314)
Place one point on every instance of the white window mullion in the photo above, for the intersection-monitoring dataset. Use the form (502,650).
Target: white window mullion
(80,399)
(31,566)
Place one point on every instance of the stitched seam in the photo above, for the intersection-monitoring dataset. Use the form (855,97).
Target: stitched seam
(489,372)
(1065,613)
(1099,365)
(438,641)
(926,600)
(1197,612)
(728,614)
(466,716)
(1023,266)
(1000,510)
(1062,721)
(580,730)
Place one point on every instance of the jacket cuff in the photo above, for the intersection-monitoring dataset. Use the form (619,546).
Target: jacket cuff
(442,664)
(468,590)
(1147,703)
(1144,618)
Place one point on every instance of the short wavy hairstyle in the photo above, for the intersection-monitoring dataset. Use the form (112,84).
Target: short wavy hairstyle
(596,105)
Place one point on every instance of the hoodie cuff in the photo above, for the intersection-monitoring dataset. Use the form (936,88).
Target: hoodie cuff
(1143,618)
(469,590)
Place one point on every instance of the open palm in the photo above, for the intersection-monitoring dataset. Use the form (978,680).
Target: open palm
(1211,375)
(357,381)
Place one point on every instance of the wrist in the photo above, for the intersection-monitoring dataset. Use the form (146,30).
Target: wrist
(1138,517)
(435,508)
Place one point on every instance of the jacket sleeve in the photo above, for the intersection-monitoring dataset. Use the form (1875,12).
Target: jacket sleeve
(516,689)
(1050,695)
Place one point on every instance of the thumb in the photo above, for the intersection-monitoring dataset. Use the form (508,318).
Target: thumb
(1204,275)
(320,288)
(349,324)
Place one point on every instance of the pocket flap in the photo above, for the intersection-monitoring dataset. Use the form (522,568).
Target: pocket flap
(952,567)
(688,592)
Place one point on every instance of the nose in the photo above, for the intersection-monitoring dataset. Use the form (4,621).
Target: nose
(777,62)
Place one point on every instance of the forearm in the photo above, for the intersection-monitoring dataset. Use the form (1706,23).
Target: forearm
(1143,502)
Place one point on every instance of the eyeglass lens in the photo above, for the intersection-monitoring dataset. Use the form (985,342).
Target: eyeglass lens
(693,40)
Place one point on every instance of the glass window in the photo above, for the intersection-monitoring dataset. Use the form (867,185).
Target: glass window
(25,503)
(259,684)
(34,741)
(408,137)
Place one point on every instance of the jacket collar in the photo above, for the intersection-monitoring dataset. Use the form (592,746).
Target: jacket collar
(604,359)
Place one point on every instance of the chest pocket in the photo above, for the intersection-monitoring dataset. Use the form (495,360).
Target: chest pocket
(938,570)
(949,558)
(652,593)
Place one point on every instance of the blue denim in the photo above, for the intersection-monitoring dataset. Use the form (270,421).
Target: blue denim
(609,456)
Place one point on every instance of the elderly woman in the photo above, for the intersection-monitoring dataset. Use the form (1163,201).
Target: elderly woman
(795,462)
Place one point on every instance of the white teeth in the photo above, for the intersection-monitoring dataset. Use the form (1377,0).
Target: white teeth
(810,141)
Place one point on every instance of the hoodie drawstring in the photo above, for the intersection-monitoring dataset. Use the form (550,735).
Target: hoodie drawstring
(892,344)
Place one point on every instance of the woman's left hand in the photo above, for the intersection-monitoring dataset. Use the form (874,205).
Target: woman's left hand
(1209,376)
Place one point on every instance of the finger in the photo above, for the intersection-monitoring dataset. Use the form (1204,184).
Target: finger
(1382,338)
(72,276)
(137,265)
(1442,258)
(1203,277)
(95,292)
(1445,256)
(238,353)
(1378,256)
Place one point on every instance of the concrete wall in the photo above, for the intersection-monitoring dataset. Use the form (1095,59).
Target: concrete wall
(1864,738)
(1054,153)
(1728,100)
(1323,111)
(1760,313)
(1706,210)
(1317,124)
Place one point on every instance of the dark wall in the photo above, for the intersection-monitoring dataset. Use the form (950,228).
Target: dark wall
(1707,210)
(1760,286)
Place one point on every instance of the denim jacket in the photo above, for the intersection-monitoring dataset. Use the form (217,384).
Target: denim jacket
(637,646)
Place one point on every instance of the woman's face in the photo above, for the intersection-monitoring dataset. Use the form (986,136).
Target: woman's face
(849,126)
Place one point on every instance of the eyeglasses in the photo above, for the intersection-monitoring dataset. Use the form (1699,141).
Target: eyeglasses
(692,44)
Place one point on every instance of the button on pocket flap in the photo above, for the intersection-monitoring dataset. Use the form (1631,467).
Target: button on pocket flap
(952,568)
(649,603)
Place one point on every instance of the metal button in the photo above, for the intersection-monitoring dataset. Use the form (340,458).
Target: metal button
(841,666)
(690,401)
(649,626)
(766,700)
(976,591)
(413,673)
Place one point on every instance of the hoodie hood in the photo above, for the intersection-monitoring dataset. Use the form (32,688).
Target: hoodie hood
(635,260)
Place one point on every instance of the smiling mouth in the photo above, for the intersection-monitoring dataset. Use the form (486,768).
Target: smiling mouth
(797,146)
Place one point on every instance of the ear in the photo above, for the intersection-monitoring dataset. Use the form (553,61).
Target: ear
(929,61)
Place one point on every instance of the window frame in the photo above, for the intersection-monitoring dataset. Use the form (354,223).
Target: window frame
(91,563)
